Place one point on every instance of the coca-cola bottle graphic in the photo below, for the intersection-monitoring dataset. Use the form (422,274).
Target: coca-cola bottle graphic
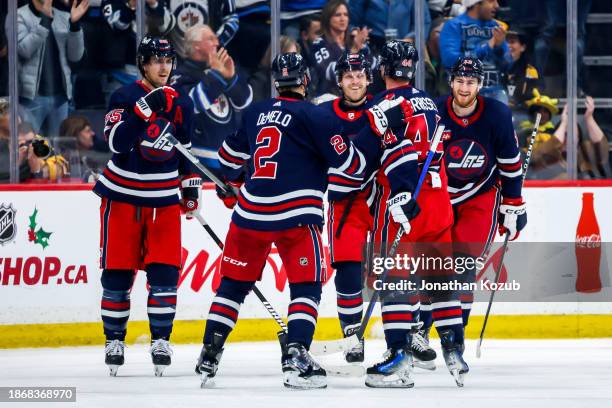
(588,248)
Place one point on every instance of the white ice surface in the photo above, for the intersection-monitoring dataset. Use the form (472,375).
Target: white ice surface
(511,373)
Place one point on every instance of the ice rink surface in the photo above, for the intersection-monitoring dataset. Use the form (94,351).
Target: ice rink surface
(511,373)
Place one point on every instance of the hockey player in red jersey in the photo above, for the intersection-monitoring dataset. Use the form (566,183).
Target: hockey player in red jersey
(483,164)
(349,218)
(143,190)
(400,310)
(284,151)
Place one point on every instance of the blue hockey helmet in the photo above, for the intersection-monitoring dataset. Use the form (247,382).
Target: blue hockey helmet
(353,61)
(399,59)
(153,46)
(289,69)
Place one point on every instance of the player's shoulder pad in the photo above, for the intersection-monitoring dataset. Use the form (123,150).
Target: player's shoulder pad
(127,95)
(495,107)
(440,102)
(327,105)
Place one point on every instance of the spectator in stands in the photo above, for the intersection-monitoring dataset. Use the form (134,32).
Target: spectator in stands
(84,161)
(336,38)
(549,150)
(436,77)
(260,81)
(293,12)
(522,77)
(180,15)
(387,20)
(445,8)
(30,165)
(254,30)
(310,30)
(209,77)
(48,39)
(476,33)
(120,17)
(555,16)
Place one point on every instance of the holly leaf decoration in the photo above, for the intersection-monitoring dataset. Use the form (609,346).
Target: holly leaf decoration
(33,219)
(42,237)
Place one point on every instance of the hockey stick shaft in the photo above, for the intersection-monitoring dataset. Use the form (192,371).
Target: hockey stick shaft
(196,163)
(432,151)
(534,132)
(257,292)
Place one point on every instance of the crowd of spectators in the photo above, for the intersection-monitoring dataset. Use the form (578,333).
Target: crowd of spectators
(74,53)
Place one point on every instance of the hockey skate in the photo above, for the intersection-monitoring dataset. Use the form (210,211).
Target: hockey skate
(160,355)
(453,356)
(395,371)
(424,355)
(114,352)
(300,370)
(208,362)
(355,354)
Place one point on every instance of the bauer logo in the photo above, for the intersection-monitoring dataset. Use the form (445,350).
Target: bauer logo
(8,229)
(465,159)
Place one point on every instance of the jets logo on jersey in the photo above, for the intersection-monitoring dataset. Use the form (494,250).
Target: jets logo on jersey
(156,146)
(466,159)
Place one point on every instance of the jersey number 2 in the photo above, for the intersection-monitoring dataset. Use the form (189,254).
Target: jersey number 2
(268,141)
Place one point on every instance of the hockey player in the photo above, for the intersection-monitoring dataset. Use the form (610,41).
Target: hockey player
(349,218)
(284,150)
(483,164)
(400,310)
(141,189)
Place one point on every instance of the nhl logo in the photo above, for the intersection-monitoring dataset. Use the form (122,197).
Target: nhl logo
(351,115)
(8,229)
(303,261)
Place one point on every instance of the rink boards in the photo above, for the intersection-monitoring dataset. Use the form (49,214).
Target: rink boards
(49,274)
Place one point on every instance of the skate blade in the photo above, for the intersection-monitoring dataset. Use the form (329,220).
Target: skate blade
(459,378)
(206,381)
(392,381)
(294,381)
(113,369)
(425,365)
(159,370)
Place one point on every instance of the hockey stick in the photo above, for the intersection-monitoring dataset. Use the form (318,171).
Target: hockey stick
(166,141)
(347,343)
(507,236)
(340,371)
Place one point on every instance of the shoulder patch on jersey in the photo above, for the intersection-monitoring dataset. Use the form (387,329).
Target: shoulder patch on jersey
(277,103)
(415,91)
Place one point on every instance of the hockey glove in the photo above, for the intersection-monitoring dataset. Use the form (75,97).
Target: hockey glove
(403,208)
(229,198)
(512,217)
(158,100)
(389,114)
(191,186)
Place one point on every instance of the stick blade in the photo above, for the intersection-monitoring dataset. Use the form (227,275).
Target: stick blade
(319,348)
